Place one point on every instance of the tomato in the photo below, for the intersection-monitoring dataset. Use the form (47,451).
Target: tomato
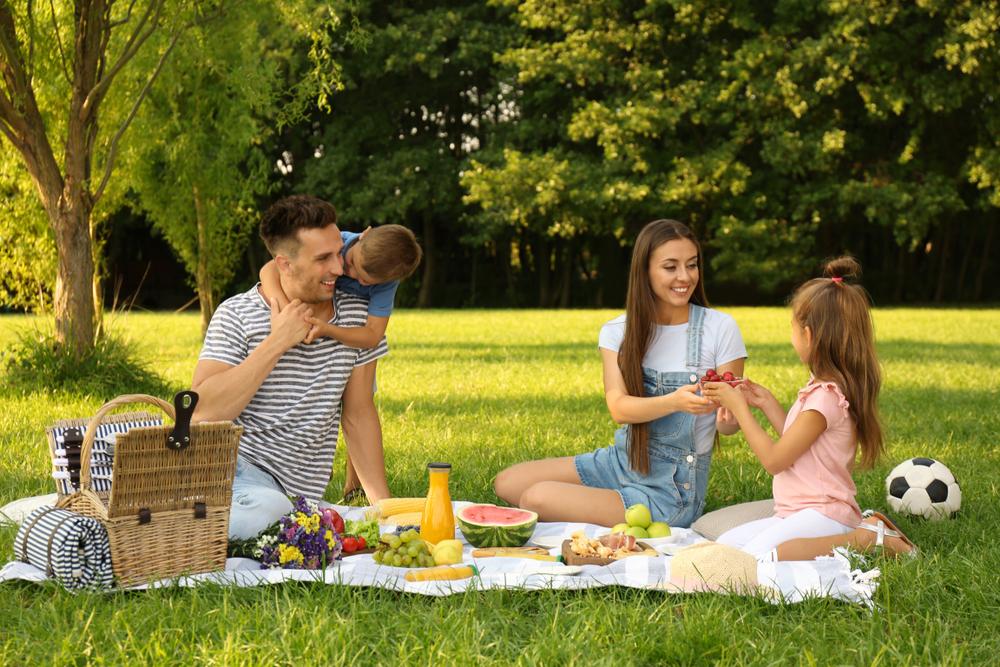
(362,543)
(350,544)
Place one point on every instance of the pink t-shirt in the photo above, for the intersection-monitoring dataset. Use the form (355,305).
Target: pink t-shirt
(821,478)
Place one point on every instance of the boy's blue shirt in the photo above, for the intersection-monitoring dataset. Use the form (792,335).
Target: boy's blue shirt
(380,296)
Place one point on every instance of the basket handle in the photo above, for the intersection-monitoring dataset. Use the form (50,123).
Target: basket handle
(95,421)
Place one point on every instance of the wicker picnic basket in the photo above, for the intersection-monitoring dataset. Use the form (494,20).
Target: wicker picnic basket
(167,512)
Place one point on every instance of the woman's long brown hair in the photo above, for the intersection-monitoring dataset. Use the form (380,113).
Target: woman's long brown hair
(640,321)
(837,311)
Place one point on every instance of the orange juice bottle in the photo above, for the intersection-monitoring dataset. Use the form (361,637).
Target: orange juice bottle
(438,521)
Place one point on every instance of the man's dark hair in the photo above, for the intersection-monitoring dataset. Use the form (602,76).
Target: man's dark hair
(285,217)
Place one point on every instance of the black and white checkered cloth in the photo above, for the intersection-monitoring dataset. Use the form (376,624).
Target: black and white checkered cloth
(101,458)
(72,548)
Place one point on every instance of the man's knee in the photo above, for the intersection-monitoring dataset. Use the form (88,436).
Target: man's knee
(254,510)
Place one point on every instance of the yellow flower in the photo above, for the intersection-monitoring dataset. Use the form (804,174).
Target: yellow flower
(288,553)
(329,538)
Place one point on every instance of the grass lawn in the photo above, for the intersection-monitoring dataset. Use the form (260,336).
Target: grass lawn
(485,389)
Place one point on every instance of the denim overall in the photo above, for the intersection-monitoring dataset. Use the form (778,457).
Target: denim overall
(674,489)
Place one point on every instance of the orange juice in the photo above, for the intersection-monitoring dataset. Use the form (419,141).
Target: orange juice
(438,522)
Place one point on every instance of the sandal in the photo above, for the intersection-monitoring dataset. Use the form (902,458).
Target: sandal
(884,528)
(357,494)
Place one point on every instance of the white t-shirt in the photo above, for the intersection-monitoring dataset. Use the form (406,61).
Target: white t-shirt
(721,342)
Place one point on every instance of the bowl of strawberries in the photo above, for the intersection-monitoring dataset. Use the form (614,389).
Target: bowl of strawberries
(728,377)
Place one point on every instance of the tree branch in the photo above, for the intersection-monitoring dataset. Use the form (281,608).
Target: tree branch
(109,162)
(128,16)
(132,46)
(62,52)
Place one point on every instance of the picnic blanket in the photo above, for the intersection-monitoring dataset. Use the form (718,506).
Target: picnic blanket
(778,582)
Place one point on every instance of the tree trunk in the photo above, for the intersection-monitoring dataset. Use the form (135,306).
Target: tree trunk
(984,260)
(73,301)
(566,270)
(543,270)
(203,277)
(944,263)
(963,270)
(427,278)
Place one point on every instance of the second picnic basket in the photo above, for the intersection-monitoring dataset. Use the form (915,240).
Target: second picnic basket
(167,512)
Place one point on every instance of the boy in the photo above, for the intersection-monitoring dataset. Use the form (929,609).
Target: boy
(374,263)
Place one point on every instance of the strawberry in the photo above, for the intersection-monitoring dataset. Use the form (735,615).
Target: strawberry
(728,376)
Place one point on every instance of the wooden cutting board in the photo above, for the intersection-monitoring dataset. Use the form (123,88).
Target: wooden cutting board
(570,558)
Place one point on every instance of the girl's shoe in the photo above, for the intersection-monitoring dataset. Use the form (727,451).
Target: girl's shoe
(884,528)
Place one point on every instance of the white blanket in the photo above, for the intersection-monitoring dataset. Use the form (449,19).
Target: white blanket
(785,581)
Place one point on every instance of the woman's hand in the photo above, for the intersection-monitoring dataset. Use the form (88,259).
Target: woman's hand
(686,399)
(723,394)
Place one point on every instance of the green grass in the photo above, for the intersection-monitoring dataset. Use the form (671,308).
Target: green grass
(485,389)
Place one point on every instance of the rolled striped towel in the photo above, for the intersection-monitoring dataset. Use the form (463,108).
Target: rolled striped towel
(70,547)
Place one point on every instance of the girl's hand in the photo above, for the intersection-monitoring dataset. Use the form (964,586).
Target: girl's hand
(315,330)
(686,399)
(723,394)
(756,395)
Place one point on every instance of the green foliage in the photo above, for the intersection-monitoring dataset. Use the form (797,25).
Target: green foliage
(38,365)
(27,250)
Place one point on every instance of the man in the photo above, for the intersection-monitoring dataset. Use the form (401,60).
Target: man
(256,369)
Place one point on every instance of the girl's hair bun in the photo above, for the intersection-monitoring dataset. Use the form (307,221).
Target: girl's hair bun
(842,267)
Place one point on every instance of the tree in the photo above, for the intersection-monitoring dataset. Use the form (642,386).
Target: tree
(65,80)
(201,166)
(420,95)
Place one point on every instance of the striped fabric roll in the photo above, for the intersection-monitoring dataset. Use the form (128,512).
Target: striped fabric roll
(70,547)
(101,457)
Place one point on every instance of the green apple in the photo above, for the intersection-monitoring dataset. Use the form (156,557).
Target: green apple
(638,515)
(637,532)
(658,529)
(619,528)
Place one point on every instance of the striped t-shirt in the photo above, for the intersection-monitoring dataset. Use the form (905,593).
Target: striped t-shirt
(290,426)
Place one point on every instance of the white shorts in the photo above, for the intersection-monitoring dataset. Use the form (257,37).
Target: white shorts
(761,537)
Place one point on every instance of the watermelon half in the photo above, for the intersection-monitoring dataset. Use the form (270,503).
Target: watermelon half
(491,526)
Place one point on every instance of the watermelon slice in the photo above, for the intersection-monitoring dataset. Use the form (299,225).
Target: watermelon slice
(491,526)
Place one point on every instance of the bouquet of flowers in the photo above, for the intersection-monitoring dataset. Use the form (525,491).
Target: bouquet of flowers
(307,538)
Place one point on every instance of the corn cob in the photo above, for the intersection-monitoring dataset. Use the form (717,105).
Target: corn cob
(405,519)
(391,506)
(442,573)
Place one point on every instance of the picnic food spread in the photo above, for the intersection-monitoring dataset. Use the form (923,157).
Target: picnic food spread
(614,546)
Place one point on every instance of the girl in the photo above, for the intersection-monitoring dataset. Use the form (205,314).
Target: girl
(652,357)
(814,495)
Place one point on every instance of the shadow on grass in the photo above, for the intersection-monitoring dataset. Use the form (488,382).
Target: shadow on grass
(986,354)
(497,353)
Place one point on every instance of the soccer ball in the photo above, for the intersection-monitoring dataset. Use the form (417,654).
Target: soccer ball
(923,487)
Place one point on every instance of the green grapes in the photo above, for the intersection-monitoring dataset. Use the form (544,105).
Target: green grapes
(404,550)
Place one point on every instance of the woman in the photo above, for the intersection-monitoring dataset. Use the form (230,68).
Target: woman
(652,357)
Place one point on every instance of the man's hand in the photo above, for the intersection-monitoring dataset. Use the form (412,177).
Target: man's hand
(290,325)
(686,399)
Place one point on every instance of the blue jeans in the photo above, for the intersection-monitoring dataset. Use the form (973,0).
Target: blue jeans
(258,501)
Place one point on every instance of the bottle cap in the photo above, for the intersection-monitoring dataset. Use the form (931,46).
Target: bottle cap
(439,466)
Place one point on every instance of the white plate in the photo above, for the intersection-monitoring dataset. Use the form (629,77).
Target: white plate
(549,541)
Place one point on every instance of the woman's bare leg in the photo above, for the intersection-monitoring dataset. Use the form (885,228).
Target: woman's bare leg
(552,488)
(860,539)
(515,480)
(563,501)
